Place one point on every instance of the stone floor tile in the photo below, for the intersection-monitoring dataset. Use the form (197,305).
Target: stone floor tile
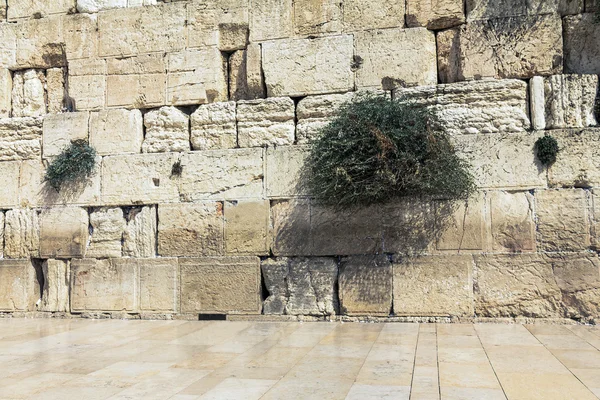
(459,341)
(541,329)
(543,386)
(456,393)
(234,388)
(564,342)
(467,376)
(162,385)
(578,358)
(468,355)
(376,392)
(524,359)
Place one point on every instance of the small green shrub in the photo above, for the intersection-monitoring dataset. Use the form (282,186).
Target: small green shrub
(546,150)
(378,149)
(76,162)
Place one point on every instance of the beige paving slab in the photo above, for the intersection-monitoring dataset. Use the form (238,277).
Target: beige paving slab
(235,388)
(375,392)
(543,386)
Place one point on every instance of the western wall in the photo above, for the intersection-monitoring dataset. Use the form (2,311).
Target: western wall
(201,113)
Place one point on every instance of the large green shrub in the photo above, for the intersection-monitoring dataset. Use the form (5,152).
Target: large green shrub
(75,163)
(378,149)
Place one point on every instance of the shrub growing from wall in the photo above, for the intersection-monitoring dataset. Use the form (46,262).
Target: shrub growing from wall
(75,163)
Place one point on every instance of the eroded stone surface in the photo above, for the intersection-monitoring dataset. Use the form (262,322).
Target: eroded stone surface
(360,14)
(63,232)
(247,227)
(93,6)
(55,90)
(27,8)
(62,129)
(40,44)
(214,126)
(57,276)
(284,171)
(460,225)
(6,85)
(28,93)
(116,131)
(21,234)
(512,224)
(134,91)
(578,277)
(159,284)
(365,285)
(434,14)
(291,228)
(139,237)
(578,162)
(570,101)
(2,234)
(107,225)
(19,287)
(9,182)
(20,138)
(218,23)
(314,17)
(167,130)
(315,112)
(489,9)
(271,19)
(245,74)
(268,122)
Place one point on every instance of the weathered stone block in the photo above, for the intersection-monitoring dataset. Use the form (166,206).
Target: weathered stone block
(6,85)
(578,161)
(107,225)
(139,237)
(562,220)
(80,35)
(137,65)
(291,228)
(434,14)
(28,94)
(9,182)
(159,284)
(247,227)
(190,229)
(245,74)
(314,17)
(460,225)
(489,9)
(8,47)
(300,286)
(285,169)
(40,44)
(268,122)
(299,67)
(116,131)
(360,14)
(516,286)
(167,130)
(514,47)
(137,91)
(407,225)
(578,277)
(214,126)
(63,232)
(233,36)
(395,56)
(229,285)
(213,22)
(537,103)
(315,112)
(21,234)
(20,138)
(570,101)
(62,129)
(104,285)
(93,6)
(434,285)
(57,276)
(18,9)
(271,19)
(365,285)
(2,234)
(512,224)
(87,92)
(19,289)
(55,90)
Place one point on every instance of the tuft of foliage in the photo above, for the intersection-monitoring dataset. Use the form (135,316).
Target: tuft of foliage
(74,163)
(378,149)
(546,150)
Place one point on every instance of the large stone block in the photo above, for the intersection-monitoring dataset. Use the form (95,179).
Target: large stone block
(514,47)
(116,131)
(408,225)
(299,67)
(268,122)
(460,226)
(291,227)
(214,126)
(19,286)
(361,15)
(285,171)
(28,93)
(62,129)
(137,65)
(6,85)
(87,92)
(213,22)
(63,232)
(596,219)
(2,235)
(245,74)
(563,223)
(271,19)
(55,90)
(93,6)
(401,56)
(136,91)
(80,35)
(516,286)
(40,44)
(315,112)
(300,286)
(57,276)
(21,234)
(108,225)
(190,229)
(570,101)
(578,277)
(159,284)
(18,9)
(365,285)
(9,182)
(512,224)
(314,17)
(20,138)
(8,47)
(434,14)
(247,227)
(434,285)
(228,285)
(167,130)
(489,9)
(578,161)
(139,237)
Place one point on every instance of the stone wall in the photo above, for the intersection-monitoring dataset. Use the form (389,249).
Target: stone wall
(200,112)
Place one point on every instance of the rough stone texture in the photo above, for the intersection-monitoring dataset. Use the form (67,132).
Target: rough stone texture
(245,74)
(315,112)
(408,225)
(578,277)
(268,122)
(515,47)
(136,65)
(28,94)
(62,129)
(570,101)
(247,227)
(20,138)
(2,235)
(213,22)
(93,6)
(26,8)
(434,14)
(63,232)
(271,19)
(21,234)
(395,56)
(460,226)
(87,84)
(489,9)
(360,14)
(220,285)
(55,296)
(55,90)
(19,289)
(159,284)
(365,285)
(300,286)
(591,5)
(139,237)
(562,220)
(537,103)
(214,126)
(284,171)
(167,130)
(6,85)
(40,44)
(104,285)
(116,131)
(520,285)
(291,227)
(512,224)
(8,47)
(314,17)
(9,182)
(80,34)
(233,36)
(486,106)
(190,229)
(299,67)
(578,161)
(135,91)
(434,286)
(107,225)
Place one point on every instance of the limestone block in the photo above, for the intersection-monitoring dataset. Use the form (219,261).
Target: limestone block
(55,90)
(3,11)
(245,74)
(116,131)
(247,227)
(538,103)
(21,234)
(28,94)
(9,182)
(6,86)
(408,225)
(577,161)
(315,112)
(190,229)
(502,160)
(578,277)
(434,286)
(8,47)
(233,174)
(285,169)
(87,92)
(519,285)
(80,34)
(63,232)
(268,122)
(159,284)
(314,17)
(365,285)
(138,179)
(489,9)
(360,14)
(434,14)
(213,126)
(512,224)
(233,36)
(20,138)
(136,30)
(136,91)
(93,6)
(514,47)
(40,44)
(570,101)
(139,237)
(214,22)
(104,285)
(291,228)
(460,226)
(299,67)
(136,65)
(300,286)
(271,19)
(167,130)
(19,289)
(18,9)
(62,129)
(108,225)
(57,276)
(562,220)
(229,285)
(2,235)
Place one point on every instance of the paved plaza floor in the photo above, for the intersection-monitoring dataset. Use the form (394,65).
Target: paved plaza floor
(184,360)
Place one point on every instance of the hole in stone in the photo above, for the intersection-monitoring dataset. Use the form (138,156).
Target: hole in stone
(212,317)
(156,182)
(39,276)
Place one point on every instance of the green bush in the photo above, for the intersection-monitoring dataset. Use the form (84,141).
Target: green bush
(546,150)
(378,149)
(74,163)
